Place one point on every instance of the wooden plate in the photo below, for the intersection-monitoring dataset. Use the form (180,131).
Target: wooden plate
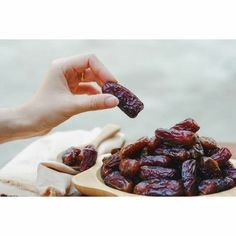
(90,183)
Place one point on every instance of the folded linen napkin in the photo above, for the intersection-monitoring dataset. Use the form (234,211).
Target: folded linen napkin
(37,169)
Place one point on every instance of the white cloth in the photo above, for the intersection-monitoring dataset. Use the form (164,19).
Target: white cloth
(36,169)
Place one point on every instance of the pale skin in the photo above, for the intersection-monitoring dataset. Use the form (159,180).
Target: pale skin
(66,91)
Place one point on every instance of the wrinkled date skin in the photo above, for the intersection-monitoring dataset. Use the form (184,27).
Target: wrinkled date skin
(153,172)
(163,161)
(152,145)
(117,181)
(128,102)
(112,161)
(129,167)
(179,154)
(222,156)
(209,186)
(179,137)
(70,156)
(133,150)
(105,171)
(159,187)
(196,151)
(189,177)
(188,125)
(210,168)
(231,173)
(208,143)
(88,158)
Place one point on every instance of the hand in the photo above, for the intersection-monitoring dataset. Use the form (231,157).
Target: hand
(66,91)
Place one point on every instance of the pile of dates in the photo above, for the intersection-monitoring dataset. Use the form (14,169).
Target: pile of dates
(80,159)
(175,162)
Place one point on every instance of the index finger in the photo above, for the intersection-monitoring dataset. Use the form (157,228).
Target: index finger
(81,63)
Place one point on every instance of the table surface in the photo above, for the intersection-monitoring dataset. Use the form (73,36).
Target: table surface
(13,191)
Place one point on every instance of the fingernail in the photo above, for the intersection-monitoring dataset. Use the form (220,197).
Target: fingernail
(111,101)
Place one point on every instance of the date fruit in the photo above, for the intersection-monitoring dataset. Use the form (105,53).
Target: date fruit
(178,154)
(209,186)
(88,158)
(222,156)
(163,161)
(133,150)
(70,156)
(129,103)
(188,124)
(117,181)
(154,172)
(159,187)
(175,162)
(177,137)
(129,167)
(189,177)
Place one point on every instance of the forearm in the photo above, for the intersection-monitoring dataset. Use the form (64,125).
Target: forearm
(15,123)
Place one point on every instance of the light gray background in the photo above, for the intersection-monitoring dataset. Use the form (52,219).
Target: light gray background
(175,79)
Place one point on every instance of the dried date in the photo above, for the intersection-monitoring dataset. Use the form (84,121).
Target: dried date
(70,156)
(152,145)
(129,103)
(188,124)
(179,154)
(159,187)
(231,173)
(176,137)
(210,168)
(189,177)
(129,167)
(222,156)
(117,181)
(153,172)
(215,185)
(134,150)
(88,158)
(208,143)
(105,171)
(112,161)
(163,161)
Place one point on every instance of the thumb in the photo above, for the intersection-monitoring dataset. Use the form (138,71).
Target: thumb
(96,102)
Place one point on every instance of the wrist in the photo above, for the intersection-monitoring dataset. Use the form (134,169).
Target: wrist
(15,123)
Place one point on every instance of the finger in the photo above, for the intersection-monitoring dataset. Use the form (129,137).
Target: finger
(85,88)
(95,102)
(81,63)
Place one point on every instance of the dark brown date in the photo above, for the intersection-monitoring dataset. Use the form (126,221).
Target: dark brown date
(88,158)
(105,171)
(228,165)
(196,152)
(115,150)
(231,173)
(222,156)
(159,187)
(153,172)
(163,161)
(209,186)
(179,154)
(152,145)
(112,161)
(188,124)
(117,181)
(129,167)
(210,152)
(134,150)
(129,103)
(177,137)
(208,143)
(70,156)
(210,168)
(189,177)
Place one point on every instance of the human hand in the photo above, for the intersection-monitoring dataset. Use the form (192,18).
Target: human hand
(66,91)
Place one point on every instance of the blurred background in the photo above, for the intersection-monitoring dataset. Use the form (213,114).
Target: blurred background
(175,79)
